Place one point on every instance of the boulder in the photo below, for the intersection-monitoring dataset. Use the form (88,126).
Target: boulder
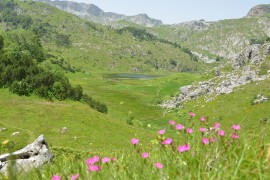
(32,156)
(3,129)
(63,130)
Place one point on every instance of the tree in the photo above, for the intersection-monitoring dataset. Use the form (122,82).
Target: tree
(1,42)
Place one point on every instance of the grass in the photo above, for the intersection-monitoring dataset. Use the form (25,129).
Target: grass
(32,116)
(226,158)
(136,102)
(109,135)
(87,129)
(136,98)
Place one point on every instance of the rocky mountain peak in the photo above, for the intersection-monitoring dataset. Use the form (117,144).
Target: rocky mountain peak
(93,13)
(195,25)
(144,19)
(259,10)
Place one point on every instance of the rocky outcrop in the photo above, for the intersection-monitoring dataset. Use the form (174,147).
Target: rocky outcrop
(93,13)
(249,55)
(246,66)
(203,58)
(32,156)
(258,11)
(260,98)
(194,25)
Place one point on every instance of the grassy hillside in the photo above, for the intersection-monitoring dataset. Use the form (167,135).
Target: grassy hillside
(236,108)
(87,129)
(92,47)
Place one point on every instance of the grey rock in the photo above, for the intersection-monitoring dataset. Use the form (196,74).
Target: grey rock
(15,133)
(203,58)
(246,67)
(185,89)
(258,11)
(260,99)
(194,25)
(63,130)
(3,129)
(250,54)
(32,156)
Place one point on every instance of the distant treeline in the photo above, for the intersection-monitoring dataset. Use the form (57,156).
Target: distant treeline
(143,35)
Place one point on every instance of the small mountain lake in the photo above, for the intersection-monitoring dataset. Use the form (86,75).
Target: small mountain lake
(130,76)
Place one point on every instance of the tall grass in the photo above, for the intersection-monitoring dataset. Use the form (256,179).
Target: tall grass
(220,157)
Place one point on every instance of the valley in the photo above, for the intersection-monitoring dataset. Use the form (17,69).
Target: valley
(96,87)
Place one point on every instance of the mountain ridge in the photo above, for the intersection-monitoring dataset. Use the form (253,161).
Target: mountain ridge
(95,14)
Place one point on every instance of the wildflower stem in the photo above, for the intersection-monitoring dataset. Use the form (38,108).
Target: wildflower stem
(239,162)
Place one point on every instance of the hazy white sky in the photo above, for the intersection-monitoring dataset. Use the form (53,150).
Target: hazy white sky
(176,11)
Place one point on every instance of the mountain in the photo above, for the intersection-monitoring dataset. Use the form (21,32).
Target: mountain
(93,13)
(224,38)
(75,44)
(259,11)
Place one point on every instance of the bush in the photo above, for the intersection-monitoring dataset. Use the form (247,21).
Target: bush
(94,104)
(141,34)
(21,88)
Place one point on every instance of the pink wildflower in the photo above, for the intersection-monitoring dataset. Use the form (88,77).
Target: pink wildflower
(167,141)
(203,130)
(113,159)
(172,122)
(221,133)
(94,168)
(134,141)
(56,177)
(92,161)
(216,125)
(235,136)
(205,141)
(187,147)
(183,148)
(75,176)
(162,131)
(158,165)
(105,160)
(191,114)
(189,130)
(212,139)
(145,155)
(179,127)
(203,119)
(236,127)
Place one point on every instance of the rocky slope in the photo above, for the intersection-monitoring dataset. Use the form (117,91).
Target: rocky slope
(246,67)
(93,13)
(258,11)
(224,38)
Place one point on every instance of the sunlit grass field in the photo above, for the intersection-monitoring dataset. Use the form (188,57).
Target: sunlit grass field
(94,134)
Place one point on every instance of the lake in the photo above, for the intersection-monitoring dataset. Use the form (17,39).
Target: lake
(130,76)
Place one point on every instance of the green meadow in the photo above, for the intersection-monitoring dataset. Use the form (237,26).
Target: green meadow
(91,133)
(52,54)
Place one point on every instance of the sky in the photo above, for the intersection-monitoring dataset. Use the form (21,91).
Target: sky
(176,11)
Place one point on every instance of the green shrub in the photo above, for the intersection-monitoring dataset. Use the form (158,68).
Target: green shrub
(21,72)
(21,88)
